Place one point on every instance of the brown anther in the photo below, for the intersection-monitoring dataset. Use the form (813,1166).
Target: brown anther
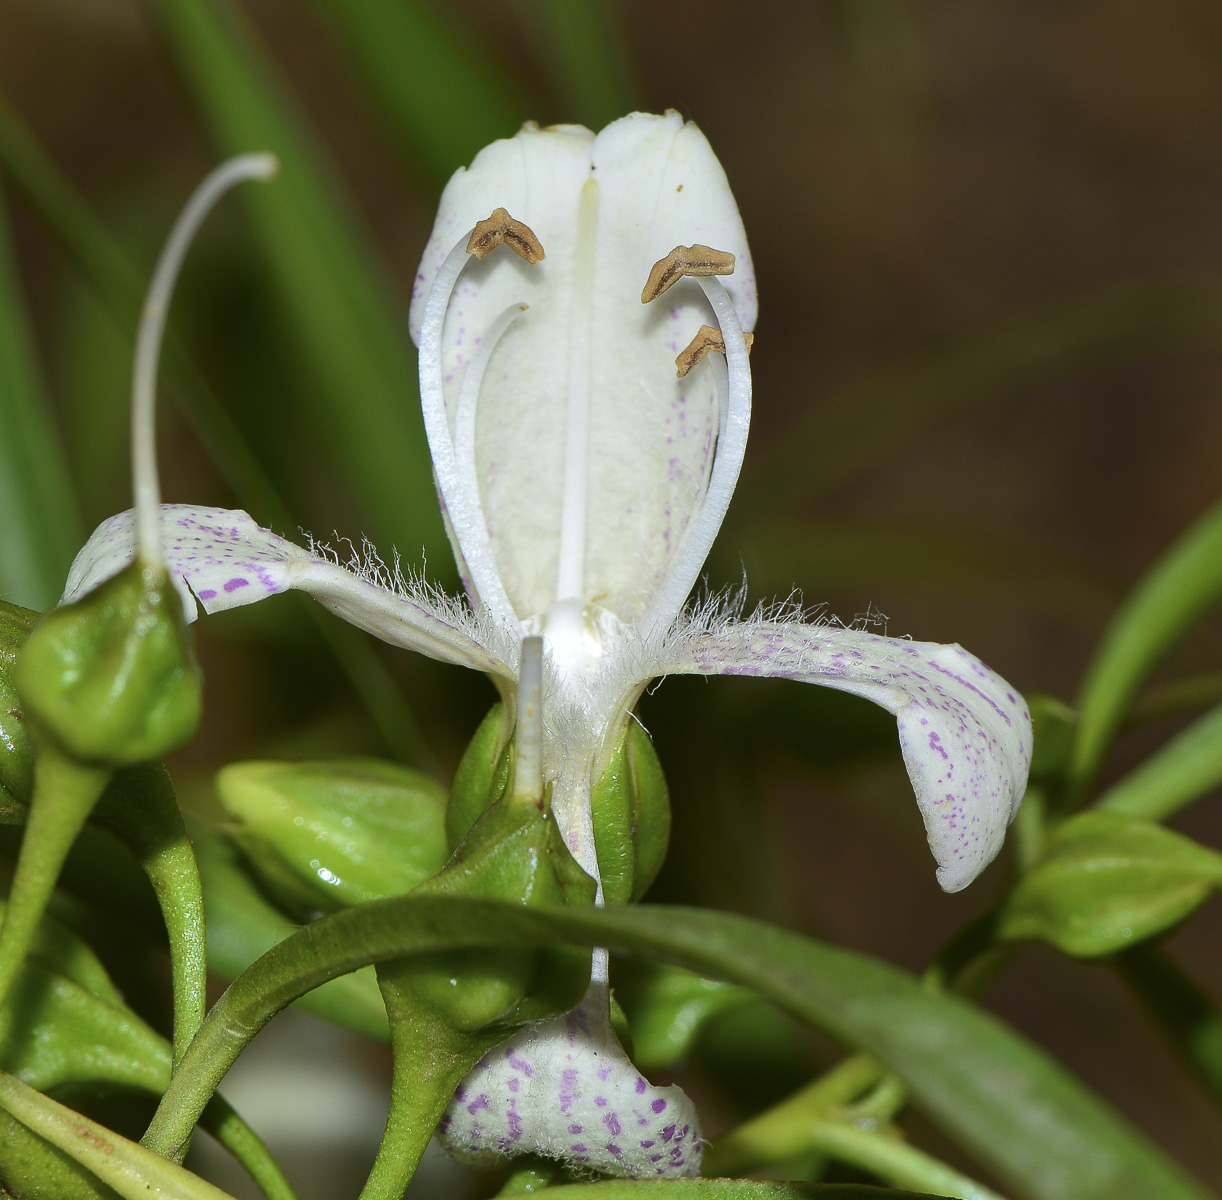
(501,227)
(707,339)
(685,260)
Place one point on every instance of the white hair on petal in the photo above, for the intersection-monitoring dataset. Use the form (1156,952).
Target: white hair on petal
(367,564)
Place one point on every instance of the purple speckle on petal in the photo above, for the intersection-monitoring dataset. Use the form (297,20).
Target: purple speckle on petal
(611,1121)
(232,585)
(208,594)
(641,1087)
(659,1106)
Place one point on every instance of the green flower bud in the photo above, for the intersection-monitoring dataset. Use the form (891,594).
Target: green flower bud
(16,752)
(112,678)
(514,852)
(630,806)
(482,776)
(322,835)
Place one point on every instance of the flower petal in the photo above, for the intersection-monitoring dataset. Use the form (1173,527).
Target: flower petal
(227,560)
(965,733)
(565,1089)
(587,334)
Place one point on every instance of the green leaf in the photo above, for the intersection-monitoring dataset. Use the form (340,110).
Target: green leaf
(129,1168)
(442,95)
(1107,882)
(1188,766)
(876,415)
(349,329)
(1188,1017)
(322,835)
(1013,1108)
(1184,585)
(40,529)
(668,1007)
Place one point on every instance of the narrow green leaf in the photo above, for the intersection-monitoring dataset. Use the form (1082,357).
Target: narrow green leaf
(1184,585)
(1008,1103)
(129,1168)
(1186,1015)
(349,328)
(587,59)
(1188,766)
(873,417)
(39,525)
(1108,881)
(441,93)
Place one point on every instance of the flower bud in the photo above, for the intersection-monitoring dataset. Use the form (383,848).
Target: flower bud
(322,835)
(16,752)
(112,678)
(631,812)
(514,852)
(482,776)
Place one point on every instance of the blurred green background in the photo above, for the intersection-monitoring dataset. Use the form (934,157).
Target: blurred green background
(989,246)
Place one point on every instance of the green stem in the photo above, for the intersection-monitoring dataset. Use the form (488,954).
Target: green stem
(247,1147)
(892,1159)
(430,1058)
(141,810)
(65,793)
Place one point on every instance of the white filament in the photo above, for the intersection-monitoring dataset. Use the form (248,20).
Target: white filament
(145,484)
(735,408)
(528,736)
(459,488)
(464,440)
(570,573)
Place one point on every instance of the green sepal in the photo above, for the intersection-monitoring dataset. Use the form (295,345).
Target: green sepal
(323,835)
(515,852)
(1054,726)
(630,808)
(112,678)
(1107,882)
(16,751)
(482,777)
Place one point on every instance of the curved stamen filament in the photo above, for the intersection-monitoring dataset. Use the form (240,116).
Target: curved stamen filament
(464,439)
(459,486)
(145,485)
(735,411)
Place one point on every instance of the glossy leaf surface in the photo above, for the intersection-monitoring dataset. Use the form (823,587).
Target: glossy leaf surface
(1108,881)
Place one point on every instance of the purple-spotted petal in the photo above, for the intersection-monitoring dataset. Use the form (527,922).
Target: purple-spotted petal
(566,1089)
(964,731)
(223,559)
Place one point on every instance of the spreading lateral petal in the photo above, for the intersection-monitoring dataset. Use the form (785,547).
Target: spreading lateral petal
(964,732)
(223,559)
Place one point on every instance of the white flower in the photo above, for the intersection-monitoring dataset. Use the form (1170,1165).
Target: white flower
(583,481)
